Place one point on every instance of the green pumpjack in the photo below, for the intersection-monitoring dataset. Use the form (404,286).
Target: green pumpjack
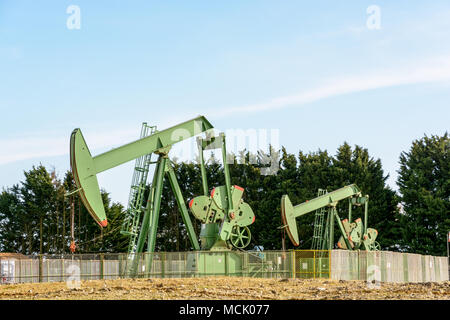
(224,215)
(354,236)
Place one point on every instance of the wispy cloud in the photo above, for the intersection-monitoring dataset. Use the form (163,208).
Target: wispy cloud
(30,147)
(435,70)
(44,145)
(428,71)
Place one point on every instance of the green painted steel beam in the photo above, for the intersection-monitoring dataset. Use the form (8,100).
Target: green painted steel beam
(156,206)
(150,144)
(350,208)
(331,231)
(326,200)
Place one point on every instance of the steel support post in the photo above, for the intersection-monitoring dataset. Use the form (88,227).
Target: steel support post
(182,206)
(146,220)
(156,206)
(341,227)
(350,206)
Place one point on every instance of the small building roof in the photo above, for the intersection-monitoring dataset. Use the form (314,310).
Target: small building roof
(12,255)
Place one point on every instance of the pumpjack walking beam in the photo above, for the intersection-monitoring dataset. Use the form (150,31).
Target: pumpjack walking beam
(353,236)
(289,213)
(85,167)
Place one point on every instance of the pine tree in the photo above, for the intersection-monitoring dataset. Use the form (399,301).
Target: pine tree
(357,166)
(424,184)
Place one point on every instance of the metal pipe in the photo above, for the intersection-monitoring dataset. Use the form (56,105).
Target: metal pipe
(350,206)
(227,173)
(202,167)
(366,213)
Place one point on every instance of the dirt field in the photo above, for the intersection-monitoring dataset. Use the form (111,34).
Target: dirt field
(225,288)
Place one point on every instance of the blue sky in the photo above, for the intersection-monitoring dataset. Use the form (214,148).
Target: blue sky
(314,71)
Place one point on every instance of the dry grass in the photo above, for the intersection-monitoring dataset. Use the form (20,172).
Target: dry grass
(225,288)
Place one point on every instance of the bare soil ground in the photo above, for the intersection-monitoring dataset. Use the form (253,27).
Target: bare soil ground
(226,288)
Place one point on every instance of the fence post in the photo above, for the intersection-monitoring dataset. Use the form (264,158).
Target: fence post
(20,271)
(40,268)
(62,269)
(101,265)
(358,256)
(226,263)
(32,269)
(405,267)
(314,264)
(163,264)
(329,264)
(121,273)
(293,263)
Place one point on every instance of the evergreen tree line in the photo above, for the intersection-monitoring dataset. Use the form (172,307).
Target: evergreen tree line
(35,214)
(35,217)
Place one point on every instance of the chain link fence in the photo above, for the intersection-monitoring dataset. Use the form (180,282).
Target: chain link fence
(51,268)
(302,264)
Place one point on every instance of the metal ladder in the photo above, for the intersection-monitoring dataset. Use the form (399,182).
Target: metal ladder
(318,235)
(136,203)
